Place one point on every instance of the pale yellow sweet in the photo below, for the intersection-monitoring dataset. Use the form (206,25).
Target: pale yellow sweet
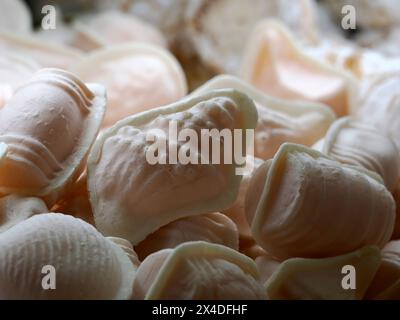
(323,279)
(86,264)
(198,271)
(131,197)
(308,199)
(211,227)
(276,65)
(48,126)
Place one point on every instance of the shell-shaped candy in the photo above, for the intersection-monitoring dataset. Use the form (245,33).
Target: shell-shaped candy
(308,200)
(114,27)
(277,66)
(325,279)
(279,120)
(79,262)
(139,174)
(211,227)
(138,77)
(198,271)
(48,127)
(346,139)
(14,71)
(386,283)
(15,17)
(42,52)
(379,104)
(14,209)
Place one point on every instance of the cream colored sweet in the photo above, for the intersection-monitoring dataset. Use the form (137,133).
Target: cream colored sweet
(15,208)
(237,211)
(198,271)
(266,266)
(115,27)
(42,52)
(346,140)
(15,17)
(48,126)
(386,283)
(308,199)
(379,101)
(14,71)
(323,279)
(276,65)
(279,120)
(137,186)
(211,227)
(87,265)
(127,247)
(138,77)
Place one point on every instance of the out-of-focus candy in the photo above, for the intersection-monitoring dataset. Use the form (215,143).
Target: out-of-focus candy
(386,283)
(14,70)
(14,209)
(212,227)
(277,66)
(86,264)
(308,199)
(113,27)
(15,17)
(198,270)
(308,279)
(48,126)
(266,266)
(45,54)
(131,197)
(138,77)
(346,140)
(279,120)
(379,104)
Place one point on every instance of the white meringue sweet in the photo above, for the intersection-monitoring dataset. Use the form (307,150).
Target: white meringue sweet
(86,264)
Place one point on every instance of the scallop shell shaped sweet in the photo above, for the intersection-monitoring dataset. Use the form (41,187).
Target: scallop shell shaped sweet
(198,271)
(47,128)
(43,53)
(279,120)
(308,200)
(211,227)
(345,142)
(379,104)
(386,283)
(15,208)
(15,17)
(138,77)
(276,65)
(322,279)
(85,264)
(138,178)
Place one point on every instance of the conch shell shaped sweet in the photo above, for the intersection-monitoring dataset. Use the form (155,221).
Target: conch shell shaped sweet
(86,264)
(379,104)
(15,208)
(386,283)
(279,120)
(346,139)
(137,76)
(198,270)
(132,198)
(211,227)
(276,65)
(308,199)
(43,53)
(48,127)
(323,279)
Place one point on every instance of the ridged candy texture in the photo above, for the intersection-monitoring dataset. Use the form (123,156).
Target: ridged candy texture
(132,198)
(308,199)
(86,264)
(48,127)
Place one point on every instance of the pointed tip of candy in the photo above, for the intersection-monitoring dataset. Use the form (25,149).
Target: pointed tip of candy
(3,150)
